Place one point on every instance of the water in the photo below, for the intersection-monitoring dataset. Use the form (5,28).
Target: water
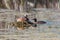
(52,26)
(43,31)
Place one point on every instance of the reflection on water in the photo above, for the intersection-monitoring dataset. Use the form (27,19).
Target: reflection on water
(50,26)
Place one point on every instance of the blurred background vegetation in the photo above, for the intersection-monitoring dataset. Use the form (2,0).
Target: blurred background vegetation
(26,4)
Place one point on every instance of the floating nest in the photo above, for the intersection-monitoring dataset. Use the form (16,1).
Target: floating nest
(20,25)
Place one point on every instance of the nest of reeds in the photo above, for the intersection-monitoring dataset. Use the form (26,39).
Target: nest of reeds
(21,25)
